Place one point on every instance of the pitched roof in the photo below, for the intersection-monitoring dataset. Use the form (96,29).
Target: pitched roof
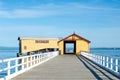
(75,35)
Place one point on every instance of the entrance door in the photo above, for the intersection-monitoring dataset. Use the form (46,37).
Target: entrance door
(69,47)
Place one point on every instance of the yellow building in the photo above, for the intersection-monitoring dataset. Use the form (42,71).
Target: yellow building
(72,44)
(28,44)
(78,44)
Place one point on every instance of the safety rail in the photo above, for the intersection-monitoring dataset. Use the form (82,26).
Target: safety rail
(109,63)
(16,66)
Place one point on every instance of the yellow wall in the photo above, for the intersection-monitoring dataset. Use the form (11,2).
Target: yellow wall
(81,45)
(61,47)
(72,37)
(31,45)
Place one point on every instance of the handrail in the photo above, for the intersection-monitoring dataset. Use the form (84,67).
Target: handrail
(24,63)
(112,64)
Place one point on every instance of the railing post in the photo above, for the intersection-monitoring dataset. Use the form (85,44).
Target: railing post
(22,63)
(116,69)
(27,62)
(43,56)
(103,60)
(40,57)
(8,68)
(111,64)
(37,58)
(99,59)
(34,60)
(107,62)
(16,65)
(31,60)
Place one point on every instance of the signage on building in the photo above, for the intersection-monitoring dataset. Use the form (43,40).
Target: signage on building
(41,41)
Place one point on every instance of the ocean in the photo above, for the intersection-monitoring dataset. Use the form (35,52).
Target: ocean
(5,53)
(106,51)
(10,52)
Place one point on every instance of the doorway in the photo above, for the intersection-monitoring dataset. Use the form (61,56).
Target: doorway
(69,47)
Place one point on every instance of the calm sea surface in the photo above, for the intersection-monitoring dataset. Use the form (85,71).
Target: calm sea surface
(8,53)
(106,51)
(11,52)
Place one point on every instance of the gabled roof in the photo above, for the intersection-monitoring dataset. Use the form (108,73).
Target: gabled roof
(75,35)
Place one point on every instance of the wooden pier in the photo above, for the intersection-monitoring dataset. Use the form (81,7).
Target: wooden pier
(67,67)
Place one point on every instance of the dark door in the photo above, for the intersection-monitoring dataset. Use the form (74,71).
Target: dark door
(69,47)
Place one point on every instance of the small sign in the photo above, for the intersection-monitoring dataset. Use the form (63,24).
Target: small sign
(41,41)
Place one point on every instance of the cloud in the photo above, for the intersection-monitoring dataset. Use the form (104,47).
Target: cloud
(50,10)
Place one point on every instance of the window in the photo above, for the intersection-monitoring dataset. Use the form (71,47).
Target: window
(25,47)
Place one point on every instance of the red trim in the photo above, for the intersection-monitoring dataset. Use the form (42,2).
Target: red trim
(75,35)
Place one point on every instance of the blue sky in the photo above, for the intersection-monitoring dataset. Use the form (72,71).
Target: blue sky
(95,20)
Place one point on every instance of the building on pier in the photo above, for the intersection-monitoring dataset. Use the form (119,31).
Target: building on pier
(72,44)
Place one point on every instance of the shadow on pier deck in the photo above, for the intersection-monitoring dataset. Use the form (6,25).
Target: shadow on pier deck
(67,67)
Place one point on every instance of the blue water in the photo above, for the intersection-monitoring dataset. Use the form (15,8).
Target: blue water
(8,52)
(106,51)
(11,52)
(5,53)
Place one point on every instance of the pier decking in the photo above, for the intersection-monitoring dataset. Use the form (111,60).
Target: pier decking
(67,67)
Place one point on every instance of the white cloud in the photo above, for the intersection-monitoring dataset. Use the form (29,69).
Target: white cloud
(50,10)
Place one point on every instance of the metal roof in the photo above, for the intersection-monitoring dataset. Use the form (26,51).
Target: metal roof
(75,35)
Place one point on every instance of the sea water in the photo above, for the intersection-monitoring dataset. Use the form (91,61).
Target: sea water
(5,53)
(115,52)
(8,52)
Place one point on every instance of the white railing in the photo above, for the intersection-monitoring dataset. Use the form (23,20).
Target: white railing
(112,64)
(16,66)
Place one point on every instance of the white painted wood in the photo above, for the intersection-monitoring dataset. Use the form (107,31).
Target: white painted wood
(101,60)
(107,58)
(36,59)
(8,72)
(116,61)
(104,62)
(16,65)
(111,65)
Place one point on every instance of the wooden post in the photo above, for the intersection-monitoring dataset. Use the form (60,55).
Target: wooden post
(107,62)
(116,69)
(111,64)
(16,64)
(103,60)
(8,68)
